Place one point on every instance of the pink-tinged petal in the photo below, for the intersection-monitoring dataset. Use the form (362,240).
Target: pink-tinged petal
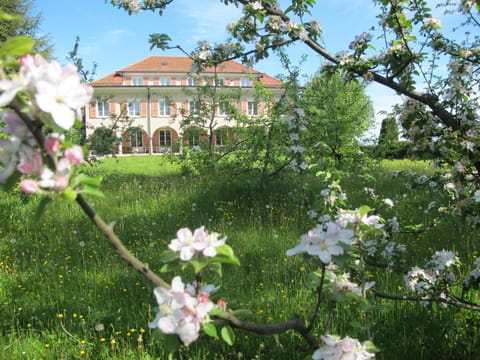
(168,324)
(52,145)
(74,154)
(210,251)
(184,233)
(162,295)
(188,333)
(177,284)
(29,186)
(186,253)
(300,248)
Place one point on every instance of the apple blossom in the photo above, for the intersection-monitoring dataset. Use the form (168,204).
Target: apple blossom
(52,145)
(342,283)
(8,157)
(181,313)
(341,349)
(188,243)
(74,154)
(322,242)
(29,186)
(30,160)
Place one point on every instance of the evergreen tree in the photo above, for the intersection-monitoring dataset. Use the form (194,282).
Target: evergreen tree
(388,132)
(24,23)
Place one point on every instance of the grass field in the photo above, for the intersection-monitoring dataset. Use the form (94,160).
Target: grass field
(64,294)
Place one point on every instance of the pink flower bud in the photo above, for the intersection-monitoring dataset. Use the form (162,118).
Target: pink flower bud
(30,161)
(222,304)
(74,154)
(29,186)
(52,145)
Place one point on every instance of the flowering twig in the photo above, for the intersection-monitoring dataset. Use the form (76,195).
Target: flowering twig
(449,300)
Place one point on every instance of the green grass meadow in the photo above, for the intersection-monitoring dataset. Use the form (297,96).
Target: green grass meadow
(64,294)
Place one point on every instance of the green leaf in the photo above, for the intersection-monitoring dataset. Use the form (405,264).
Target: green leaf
(364,210)
(167,256)
(216,268)
(172,343)
(215,311)
(210,329)
(228,335)
(89,180)
(17,46)
(42,207)
(92,190)
(225,255)
(69,194)
(198,265)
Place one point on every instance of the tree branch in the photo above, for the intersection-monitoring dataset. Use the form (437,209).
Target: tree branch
(449,300)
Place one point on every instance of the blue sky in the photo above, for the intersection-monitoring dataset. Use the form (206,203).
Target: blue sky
(113,39)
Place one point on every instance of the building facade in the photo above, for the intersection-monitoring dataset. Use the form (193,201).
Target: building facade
(146,103)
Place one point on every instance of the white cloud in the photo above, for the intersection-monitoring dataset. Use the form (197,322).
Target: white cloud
(207,19)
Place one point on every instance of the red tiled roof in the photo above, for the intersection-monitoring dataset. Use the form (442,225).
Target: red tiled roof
(181,65)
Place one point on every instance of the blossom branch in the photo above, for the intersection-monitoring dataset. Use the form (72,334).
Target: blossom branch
(295,323)
(319,299)
(449,300)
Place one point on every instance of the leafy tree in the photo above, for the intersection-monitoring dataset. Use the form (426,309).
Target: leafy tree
(102,141)
(337,112)
(23,23)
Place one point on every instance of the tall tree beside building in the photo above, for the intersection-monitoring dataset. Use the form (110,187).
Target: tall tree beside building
(25,23)
(338,113)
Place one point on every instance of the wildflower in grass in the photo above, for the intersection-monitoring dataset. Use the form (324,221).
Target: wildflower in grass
(323,242)
(342,349)
(388,202)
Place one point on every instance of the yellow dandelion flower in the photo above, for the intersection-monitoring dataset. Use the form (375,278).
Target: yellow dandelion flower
(112,342)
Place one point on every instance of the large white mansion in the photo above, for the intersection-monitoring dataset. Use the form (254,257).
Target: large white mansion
(151,94)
